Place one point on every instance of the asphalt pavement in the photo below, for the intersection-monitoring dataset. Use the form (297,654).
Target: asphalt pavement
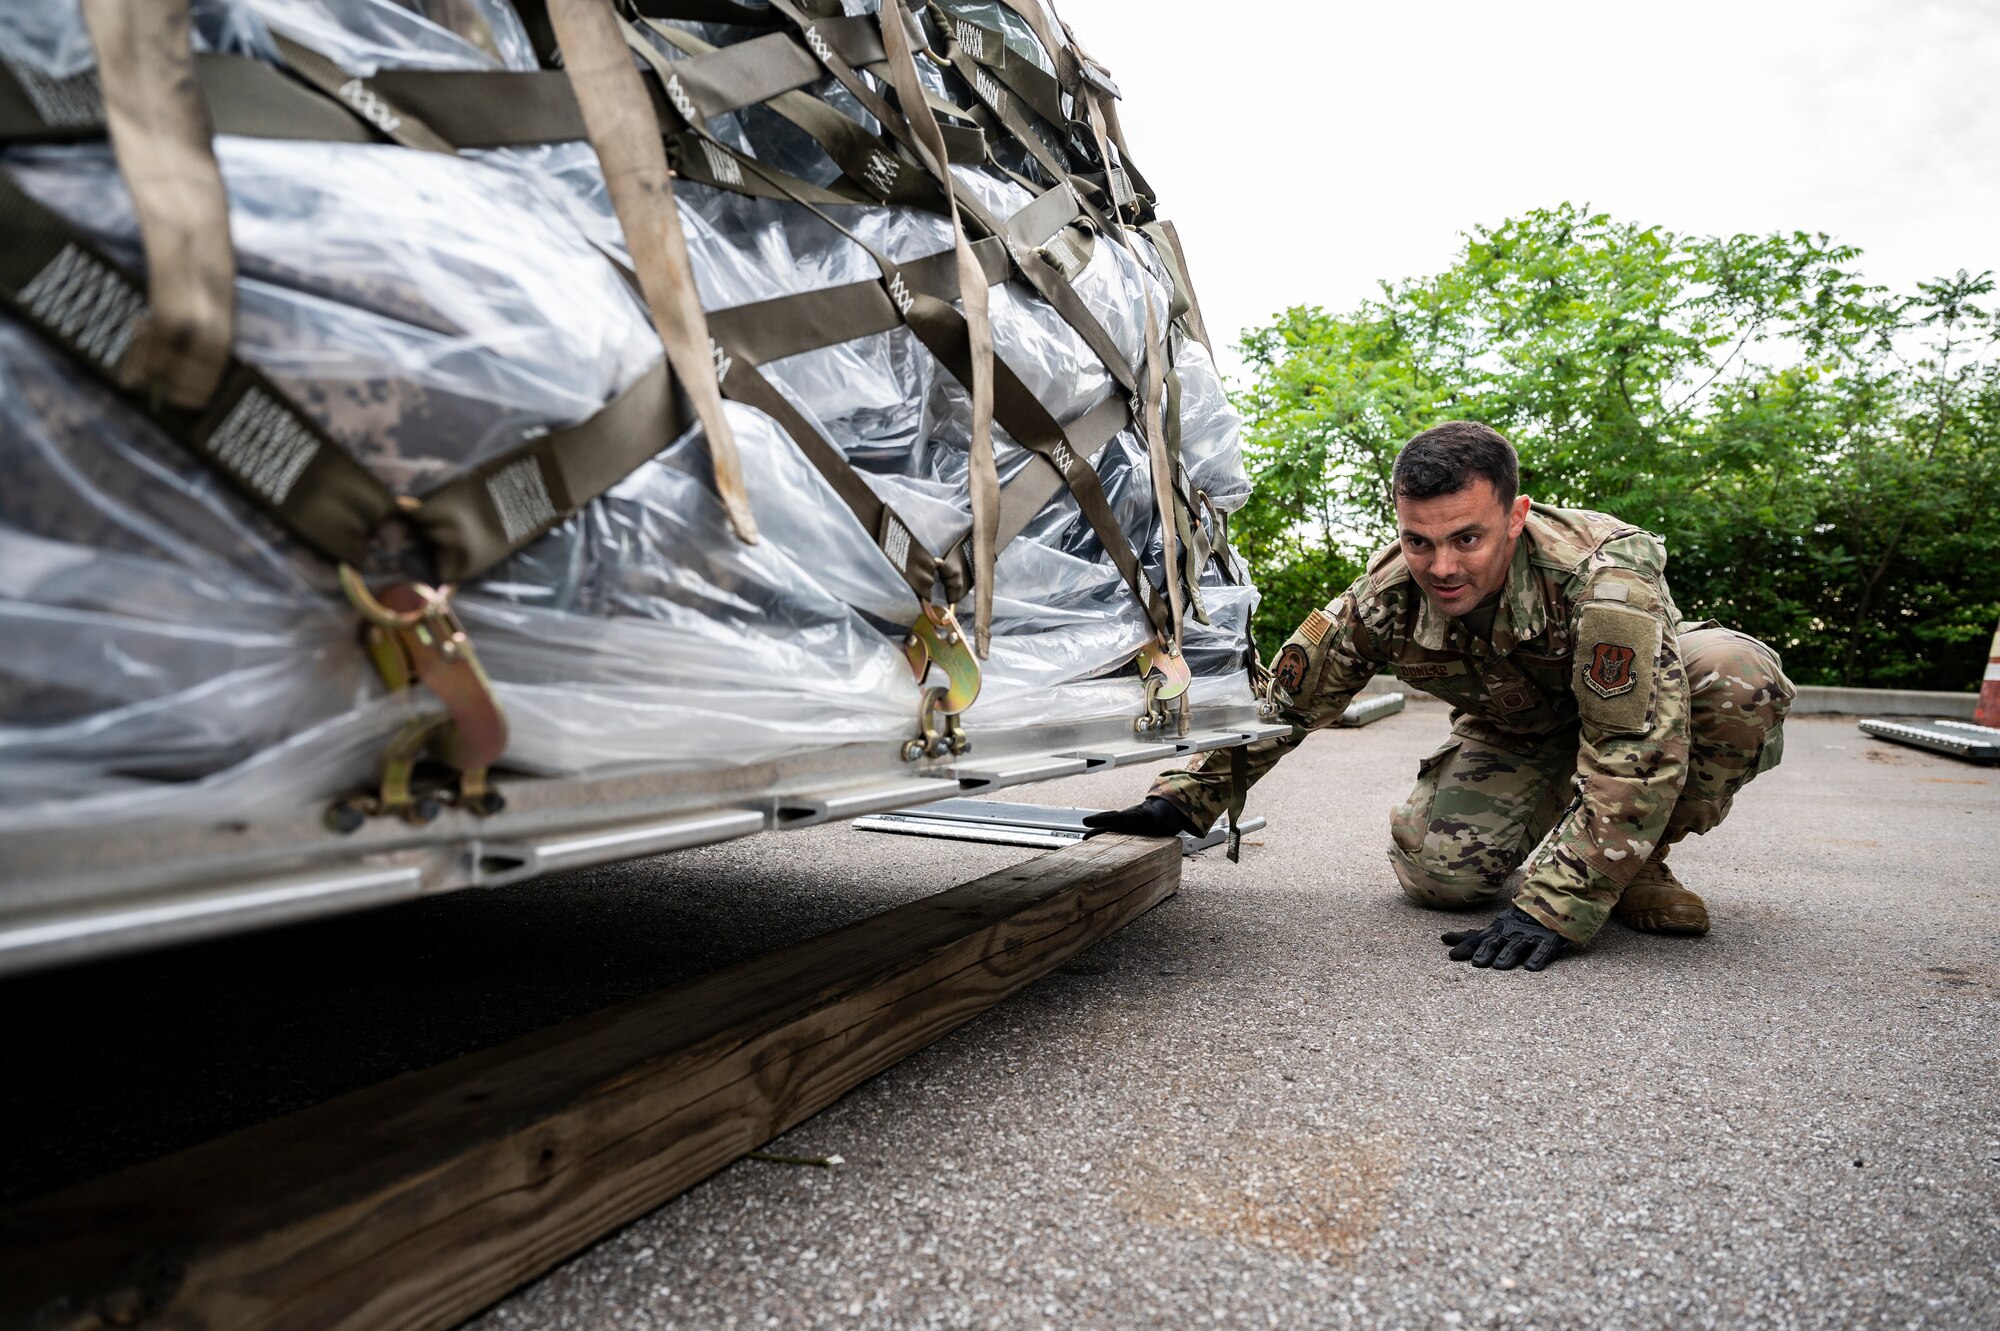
(1270,1102)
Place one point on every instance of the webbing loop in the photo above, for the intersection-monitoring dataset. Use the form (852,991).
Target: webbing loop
(161,137)
(627,139)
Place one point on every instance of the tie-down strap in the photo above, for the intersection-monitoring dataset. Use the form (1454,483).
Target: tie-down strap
(68,289)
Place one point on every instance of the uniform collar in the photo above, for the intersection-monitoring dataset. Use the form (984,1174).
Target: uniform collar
(1519,617)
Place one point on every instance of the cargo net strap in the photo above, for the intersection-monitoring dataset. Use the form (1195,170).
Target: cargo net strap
(62,284)
(626,137)
(161,138)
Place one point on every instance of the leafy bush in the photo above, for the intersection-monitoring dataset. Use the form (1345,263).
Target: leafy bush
(1822,456)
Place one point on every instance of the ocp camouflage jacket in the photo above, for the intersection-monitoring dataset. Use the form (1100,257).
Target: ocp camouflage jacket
(1584,639)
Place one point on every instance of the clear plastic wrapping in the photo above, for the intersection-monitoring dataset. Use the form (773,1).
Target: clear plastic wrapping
(173,653)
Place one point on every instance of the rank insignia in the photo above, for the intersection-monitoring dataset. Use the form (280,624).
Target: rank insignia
(1290,672)
(1610,670)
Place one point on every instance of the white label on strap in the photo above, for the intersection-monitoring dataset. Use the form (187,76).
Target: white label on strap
(682,102)
(521,497)
(370,107)
(1062,457)
(900,293)
(264,445)
(723,360)
(1121,188)
(882,173)
(971,37)
(819,46)
(1063,254)
(721,165)
(895,541)
(989,88)
(87,303)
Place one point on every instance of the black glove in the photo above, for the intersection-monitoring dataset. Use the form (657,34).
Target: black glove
(1515,938)
(1152,816)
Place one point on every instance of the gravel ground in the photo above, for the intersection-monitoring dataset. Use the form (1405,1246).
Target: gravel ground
(1270,1102)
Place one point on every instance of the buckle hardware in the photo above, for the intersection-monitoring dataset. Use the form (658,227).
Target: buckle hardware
(414,637)
(936,639)
(1167,678)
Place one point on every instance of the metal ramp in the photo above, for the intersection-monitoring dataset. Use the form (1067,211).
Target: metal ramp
(1050,826)
(1960,739)
(997,823)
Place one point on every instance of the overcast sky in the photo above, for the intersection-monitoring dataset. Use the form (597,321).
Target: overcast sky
(1307,148)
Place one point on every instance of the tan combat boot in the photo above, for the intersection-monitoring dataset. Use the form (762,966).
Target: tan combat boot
(1656,903)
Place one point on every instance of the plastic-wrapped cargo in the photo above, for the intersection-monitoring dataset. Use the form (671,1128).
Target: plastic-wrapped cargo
(432,280)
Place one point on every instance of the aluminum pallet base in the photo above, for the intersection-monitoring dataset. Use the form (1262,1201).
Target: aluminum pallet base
(994,822)
(68,896)
(1960,739)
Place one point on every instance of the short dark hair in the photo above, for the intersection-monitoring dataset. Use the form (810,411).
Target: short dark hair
(1445,458)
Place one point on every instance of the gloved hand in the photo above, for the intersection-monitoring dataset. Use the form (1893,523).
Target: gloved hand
(1515,938)
(1152,816)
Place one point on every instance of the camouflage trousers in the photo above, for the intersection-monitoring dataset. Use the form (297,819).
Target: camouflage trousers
(1480,808)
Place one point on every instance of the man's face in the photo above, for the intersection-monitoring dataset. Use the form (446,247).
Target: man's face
(1458,546)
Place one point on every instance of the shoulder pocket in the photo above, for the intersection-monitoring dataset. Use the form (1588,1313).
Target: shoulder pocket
(1617,651)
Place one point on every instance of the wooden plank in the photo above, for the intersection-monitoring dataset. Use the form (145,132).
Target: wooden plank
(416,1202)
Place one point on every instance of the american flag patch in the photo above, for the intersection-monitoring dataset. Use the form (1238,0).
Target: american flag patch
(1315,628)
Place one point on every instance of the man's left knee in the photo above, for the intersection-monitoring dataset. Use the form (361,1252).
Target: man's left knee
(1430,884)
(1737,700)
(1734,681)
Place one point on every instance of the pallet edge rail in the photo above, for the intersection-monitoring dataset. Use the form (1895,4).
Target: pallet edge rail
(71,898)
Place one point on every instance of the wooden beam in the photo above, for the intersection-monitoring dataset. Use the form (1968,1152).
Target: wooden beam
(416,1202)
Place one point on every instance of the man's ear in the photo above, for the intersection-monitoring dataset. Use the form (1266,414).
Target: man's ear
(1517,516)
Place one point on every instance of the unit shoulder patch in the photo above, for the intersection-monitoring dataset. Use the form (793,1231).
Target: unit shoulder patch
(1617,649)
(1610,670)
(1290,672)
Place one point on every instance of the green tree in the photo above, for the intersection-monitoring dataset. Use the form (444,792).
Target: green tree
(1822,456)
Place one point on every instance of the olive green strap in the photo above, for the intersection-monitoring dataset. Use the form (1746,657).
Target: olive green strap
(161,137)
(727,78)
(1187,306)
(1239,795)
(258,101)
(35,106)
(364,97)
(997,98)
(743,381)
(700,156)
(702,87)
(769,330)
(1029,230)
(712,11)
(68,290)
(987,47)
(478,108)
(625,134)
(806,321)
(1029,423)
(464,108)
(1068,69)
(1031,489)
(478,519)
(977,368)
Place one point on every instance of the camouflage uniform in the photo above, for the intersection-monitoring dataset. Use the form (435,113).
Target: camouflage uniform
(1593,727)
